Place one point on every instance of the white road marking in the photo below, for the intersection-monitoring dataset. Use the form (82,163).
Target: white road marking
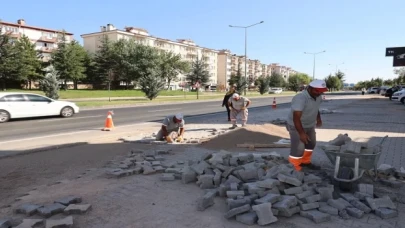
(65,134)
(74,118)
(162,110)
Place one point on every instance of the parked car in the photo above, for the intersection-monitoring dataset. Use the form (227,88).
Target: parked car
(399,96)
(276,90)
(24,105)
(373,90)
(390,91)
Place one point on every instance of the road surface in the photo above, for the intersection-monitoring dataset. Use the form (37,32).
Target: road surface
(94,119)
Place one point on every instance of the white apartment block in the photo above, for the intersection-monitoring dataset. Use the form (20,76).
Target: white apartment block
(282,70)
(188,50)
(45,40)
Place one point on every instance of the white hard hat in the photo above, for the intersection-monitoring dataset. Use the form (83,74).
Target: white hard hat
(235,95)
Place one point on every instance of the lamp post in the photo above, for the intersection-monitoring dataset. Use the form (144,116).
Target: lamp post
(336,66)
(245,27)
(314,54)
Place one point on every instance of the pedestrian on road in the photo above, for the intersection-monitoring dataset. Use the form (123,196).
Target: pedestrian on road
(172,129)
(228,95)
(301,122)
(238,104)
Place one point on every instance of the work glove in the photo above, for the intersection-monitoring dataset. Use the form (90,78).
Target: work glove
(169,139)
(243,108)
(179,139)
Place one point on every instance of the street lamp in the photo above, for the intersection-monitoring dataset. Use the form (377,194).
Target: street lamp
(337,66)
(246,27)
(314,54)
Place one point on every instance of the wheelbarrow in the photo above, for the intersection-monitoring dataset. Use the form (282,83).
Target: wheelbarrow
(350,167)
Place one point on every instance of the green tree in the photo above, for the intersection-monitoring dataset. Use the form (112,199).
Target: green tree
(171,65)
(199,73)
(295,82)
(276,80)
(263,83)
(29,62)
(340,75)
(303,78)
(50,83)
(333,82)
(69,60)
(103,62)
(9,66)
(151,83)
(238,80)
(388,82)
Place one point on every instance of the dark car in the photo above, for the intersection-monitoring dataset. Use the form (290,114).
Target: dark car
(390,91)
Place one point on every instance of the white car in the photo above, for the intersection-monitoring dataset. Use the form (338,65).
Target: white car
(399,96)
(24,105)
(275,90)
(373,90)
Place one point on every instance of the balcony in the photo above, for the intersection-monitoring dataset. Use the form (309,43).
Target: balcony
(15,35)
(48,39)
(47,49)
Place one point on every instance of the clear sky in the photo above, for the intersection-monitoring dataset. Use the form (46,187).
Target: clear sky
(355,32)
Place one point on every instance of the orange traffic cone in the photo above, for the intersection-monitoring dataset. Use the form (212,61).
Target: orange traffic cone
(109,125)
(274,106)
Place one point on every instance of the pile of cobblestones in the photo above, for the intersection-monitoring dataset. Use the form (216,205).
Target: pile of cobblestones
(41,214)
(259,188)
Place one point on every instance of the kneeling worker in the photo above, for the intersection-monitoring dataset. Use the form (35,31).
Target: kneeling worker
(172,129)
(238,104)
(302,120)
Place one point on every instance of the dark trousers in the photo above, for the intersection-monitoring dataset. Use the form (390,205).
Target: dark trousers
(229,111)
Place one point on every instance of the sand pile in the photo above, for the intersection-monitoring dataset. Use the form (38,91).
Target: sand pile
(266,133)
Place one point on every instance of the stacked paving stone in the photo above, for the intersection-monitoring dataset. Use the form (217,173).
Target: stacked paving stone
(344,144)
(69,206)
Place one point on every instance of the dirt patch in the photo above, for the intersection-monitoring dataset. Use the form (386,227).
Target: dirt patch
(266,133)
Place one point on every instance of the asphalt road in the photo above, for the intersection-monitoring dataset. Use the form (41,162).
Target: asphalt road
(94,119)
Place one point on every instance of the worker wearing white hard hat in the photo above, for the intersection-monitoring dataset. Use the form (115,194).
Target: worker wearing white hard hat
(172,128)
(301,122)
(238,105)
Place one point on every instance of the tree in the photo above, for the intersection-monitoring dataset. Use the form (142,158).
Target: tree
(333,82)
(303,78)
(69,60)
(276,80)
(29,61)
(151,84)
(171,65)
(50,83)
(103,61)
(340,75)
(263,84)
(199,73)
(238,80)
(388,82)
(295,82)
(9,66)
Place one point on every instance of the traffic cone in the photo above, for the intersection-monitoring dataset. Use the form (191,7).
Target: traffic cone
(109,125)
(274,106)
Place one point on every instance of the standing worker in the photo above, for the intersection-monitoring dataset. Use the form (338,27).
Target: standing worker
(302,120)
(172,129)
(238,104)
(228,95)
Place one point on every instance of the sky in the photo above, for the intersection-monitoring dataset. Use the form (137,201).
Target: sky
(353,32)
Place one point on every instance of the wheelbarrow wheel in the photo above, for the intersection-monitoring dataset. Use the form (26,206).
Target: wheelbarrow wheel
(347,174)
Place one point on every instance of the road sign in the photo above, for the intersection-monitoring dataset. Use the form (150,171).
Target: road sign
(197,85)
(398,55)
(399,60)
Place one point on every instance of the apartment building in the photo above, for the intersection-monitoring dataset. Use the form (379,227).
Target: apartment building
(188,50)
(45,40)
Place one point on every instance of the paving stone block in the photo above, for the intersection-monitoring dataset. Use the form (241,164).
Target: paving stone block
(305,194)
(239,210)
(234,194)
(289,212)
(328,210)
(59,223)
(29,223)
(340,140)
(264,214)
(232,179)
(275,211)
(361,206)
(217,177)
(366,189)
(289,180)
(206,181)
(331,148)
(251,198)
(206,201)
(285,202)
(234,203)
(386,169)
(148,170)
(269,198)
(233,186)
(362,196)
(313,198)
(338,203)
(52,209)
(229,170)
(209,171)
(248,174)
(391,183)
(344,215)
(174,170)
(5,223)
(200,167)
(188,175)
(222,190)
(386,213)
(261,173)
(312,179)
(348,197)
(268,183)
(380,203)
(326,193)
(354,212)
(156,163)
(309,187)
(27,209)
(249,218)
(160,169)
(316,216)
(167,177)
(299,175)
(309,206)
(233,161)
(77,209)
(352,147)
(159,158)
(293,190)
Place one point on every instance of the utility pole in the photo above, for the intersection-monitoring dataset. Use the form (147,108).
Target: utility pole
(314,54)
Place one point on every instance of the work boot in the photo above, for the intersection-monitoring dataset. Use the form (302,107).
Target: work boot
(310,166)
(233,126)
